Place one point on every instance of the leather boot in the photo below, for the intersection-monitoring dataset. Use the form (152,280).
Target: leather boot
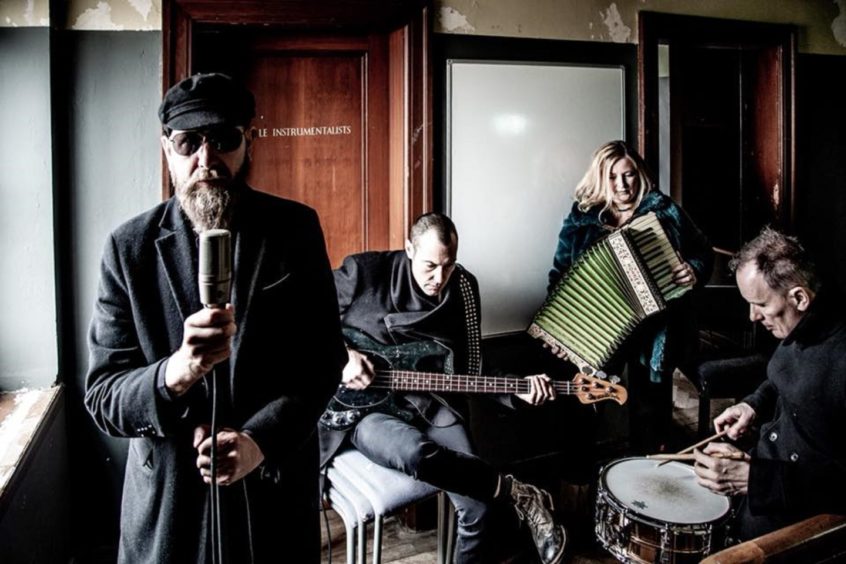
(534,506)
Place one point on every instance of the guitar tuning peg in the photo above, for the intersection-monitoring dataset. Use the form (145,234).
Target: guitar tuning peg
(615,379)
(601,375)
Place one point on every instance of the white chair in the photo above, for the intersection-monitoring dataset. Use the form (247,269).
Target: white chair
(361,491)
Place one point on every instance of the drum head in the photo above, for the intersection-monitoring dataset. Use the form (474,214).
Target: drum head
(667,493)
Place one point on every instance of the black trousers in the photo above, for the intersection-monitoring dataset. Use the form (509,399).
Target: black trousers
(442,457)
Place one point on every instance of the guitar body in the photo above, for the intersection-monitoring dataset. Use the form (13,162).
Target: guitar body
(347,407)
(409,367)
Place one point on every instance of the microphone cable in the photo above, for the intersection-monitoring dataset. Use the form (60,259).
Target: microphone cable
(216,536)
(216,522)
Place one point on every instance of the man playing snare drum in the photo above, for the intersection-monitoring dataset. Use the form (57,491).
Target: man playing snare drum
(796,469)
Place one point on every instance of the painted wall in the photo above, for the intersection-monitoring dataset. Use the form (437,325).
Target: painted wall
(94,116)
(114,15)
(113,142)
(112,95)
(25,13)
(821,23)
(28,355)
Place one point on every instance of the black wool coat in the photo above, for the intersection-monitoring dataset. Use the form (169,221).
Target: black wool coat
(798,466)
(378,296)
(285,305)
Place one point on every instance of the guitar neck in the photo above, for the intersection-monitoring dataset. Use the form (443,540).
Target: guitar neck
(408,380)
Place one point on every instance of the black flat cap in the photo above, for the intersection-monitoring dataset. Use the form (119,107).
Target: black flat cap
(206,100)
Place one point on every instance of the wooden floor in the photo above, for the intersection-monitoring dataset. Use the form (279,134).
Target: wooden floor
(404,546)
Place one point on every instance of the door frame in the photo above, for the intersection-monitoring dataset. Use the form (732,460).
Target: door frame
(659,28)
(408,26)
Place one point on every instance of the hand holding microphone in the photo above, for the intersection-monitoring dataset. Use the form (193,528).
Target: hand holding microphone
(207,334)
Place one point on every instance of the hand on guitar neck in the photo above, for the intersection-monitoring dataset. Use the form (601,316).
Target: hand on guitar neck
(540,391)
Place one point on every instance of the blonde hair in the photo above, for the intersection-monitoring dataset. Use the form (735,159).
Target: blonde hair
(595,188)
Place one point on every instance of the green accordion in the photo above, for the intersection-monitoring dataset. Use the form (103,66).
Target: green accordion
(617,283)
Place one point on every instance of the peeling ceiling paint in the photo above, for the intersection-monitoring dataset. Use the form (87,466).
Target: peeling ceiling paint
(143,7)
(602,20)
(97,18)
(84,14)
(820,23)
(115,15)
(617,30)
(452,20)
(25,13)
(838,25)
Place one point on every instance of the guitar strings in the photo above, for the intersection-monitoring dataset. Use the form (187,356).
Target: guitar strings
(411,381)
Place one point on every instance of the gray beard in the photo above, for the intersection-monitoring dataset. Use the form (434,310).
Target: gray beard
(210,207)
(207,207)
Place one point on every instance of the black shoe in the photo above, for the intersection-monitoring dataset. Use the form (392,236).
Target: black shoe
(531,503)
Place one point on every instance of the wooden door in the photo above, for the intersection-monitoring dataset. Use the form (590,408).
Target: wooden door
(731,120)
(321,124)
(342,105)
(705,140)
(727,139)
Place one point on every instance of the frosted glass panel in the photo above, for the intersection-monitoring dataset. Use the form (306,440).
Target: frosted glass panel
(519,138)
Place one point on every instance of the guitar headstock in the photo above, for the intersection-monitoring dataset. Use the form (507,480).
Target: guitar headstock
(590,389)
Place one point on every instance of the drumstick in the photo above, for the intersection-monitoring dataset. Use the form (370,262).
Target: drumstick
(691,456)
(699,444)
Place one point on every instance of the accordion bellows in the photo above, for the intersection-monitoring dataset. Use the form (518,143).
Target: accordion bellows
(618,282)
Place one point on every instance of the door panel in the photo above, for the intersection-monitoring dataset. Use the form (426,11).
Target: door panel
(705,93)
(764,146)
(310,146)
(731,146)
(316,98)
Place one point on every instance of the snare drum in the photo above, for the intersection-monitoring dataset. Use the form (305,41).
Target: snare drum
(651,513)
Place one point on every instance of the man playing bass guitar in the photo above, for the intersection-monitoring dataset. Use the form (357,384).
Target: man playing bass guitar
(420,295)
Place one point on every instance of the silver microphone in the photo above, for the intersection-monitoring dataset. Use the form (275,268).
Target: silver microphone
(215,272)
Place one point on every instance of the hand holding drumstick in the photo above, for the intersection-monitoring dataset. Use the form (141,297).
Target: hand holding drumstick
(722,468)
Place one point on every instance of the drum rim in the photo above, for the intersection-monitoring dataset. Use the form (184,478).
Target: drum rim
(603,489)
(693,528)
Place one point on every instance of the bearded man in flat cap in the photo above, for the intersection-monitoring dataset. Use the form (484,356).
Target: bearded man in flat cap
(154,350)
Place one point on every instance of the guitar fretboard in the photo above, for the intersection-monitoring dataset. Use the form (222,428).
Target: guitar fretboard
(408,380)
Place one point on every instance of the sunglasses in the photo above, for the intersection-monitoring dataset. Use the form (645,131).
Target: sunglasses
(222,140)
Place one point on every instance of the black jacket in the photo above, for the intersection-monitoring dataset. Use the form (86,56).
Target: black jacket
(377,294)
(799,463)
(284,301)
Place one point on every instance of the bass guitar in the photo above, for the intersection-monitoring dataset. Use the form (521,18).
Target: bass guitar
(347,407)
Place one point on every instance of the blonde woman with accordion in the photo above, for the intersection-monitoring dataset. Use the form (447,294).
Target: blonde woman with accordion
(616,189)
